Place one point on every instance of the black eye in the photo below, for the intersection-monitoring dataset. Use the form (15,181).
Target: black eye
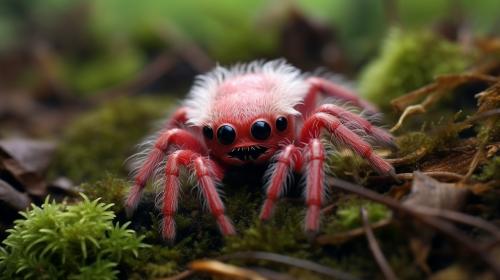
(281,123)
(226,134)
(208,132)
(261,130)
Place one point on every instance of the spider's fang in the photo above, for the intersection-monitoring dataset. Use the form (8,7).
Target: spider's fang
(247,153)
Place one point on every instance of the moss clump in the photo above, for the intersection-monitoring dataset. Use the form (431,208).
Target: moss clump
(109,190)
(412,142)
(491,170)
(346,165)
(349,217)
(408,61)
(59,241)
(99,142)
(282,234)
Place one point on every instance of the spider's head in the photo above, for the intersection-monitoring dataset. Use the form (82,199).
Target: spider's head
(248,141)
(247,111)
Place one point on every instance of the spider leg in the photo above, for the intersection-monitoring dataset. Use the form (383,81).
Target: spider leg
(286,161)
(206,172)
(204,169)
(313,126)
(349,118)
(320,85)
(315,183)
(169,138)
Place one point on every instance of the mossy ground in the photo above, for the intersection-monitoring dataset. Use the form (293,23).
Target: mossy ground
(99,142)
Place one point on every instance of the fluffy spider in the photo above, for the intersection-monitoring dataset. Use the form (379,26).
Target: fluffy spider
(257,113)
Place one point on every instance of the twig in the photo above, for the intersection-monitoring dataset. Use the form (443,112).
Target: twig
(276,258)
(375,248)
(224,269)
(435,174)
(460,218)
(435,223)
(347,235)
(183,275)
(442,83)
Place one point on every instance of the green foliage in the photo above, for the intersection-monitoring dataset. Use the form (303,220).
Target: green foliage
(408,61)
(62,241)
(101,141)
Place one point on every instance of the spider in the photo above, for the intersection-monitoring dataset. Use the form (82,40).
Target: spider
(257,113)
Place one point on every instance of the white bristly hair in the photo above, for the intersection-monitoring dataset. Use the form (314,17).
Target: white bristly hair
(289,87)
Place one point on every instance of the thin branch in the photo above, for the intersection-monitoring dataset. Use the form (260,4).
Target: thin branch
(435,174)
(183,275)
(375,248)
(334,239)
(435,223)
(223,269)
(460,218)
(300,263)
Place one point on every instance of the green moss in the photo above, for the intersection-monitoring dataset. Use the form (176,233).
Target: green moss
(100,141)
(491,170)
(282,234)
(109,190)
(406,62)
(348,214)
(412,142)
(346,165)
(59,241)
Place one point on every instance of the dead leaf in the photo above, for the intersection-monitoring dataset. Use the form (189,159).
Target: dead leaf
(12,197)
(32,155)
(429,192)
(30,181)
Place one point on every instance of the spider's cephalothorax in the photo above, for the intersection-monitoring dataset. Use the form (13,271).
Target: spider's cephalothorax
(261,112)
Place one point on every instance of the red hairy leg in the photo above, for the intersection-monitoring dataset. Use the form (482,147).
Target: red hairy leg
(320,85)
(169,138)
(347,116)
(315,183)
(334,126)
(205,172)
(286,161)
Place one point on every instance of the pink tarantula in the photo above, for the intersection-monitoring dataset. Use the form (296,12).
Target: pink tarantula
(256,113)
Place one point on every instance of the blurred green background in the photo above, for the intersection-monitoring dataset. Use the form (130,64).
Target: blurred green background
(98,44)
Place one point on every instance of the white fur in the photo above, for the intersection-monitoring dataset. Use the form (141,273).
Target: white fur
(289,90)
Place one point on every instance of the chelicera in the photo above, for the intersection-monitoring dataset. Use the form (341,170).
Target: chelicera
(261,113)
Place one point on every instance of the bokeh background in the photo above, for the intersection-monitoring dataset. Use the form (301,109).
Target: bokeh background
(56,52)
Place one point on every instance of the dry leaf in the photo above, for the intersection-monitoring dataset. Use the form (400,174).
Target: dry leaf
(12,197)
(32,155)
(429,192)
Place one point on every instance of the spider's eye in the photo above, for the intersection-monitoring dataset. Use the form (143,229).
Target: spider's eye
(281,123)
(208,132)
(226,134)
(261,130)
